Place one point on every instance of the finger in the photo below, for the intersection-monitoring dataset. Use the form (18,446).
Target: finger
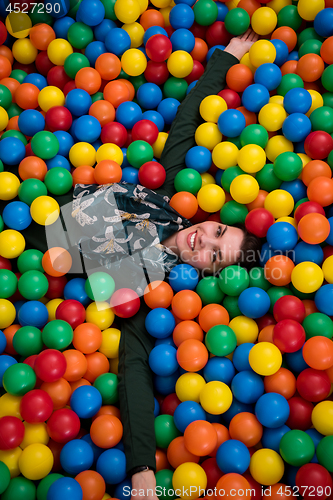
(247,34)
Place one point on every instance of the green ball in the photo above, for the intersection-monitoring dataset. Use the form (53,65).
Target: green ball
(267,179)
(233,280)
(45,484)
(229,175)
(324,453)
(73,8)
(1,224)
(254,134)
(5,97)
(74,62)
(327,78)
(175,87)
(8,283)
(310,47)
(33,285)
(18,74)
(275,293)
(330,159)
(289,16)
(235,140)
(137,81)
(233,213)
(58,181)
(189,180)
(123,75)
(139,152)
(15,133)
(165,430)
(99,286)
(209,291)
(107,385)
(14,110)
(328,99)
(164,484)
(231,305)
(318,324)
(97,97)
(57,334)
(45,145)
(19,379)
(40,17)
(30,189)
(322,119)
(237,21)
(221,340)
(301,295)
(205,12)
(257,278)
(288,82)
(30,260)
(1,166)
(297,448)
(308,34)
(80,35)
(28,341)
(4,477)
(109,9)
(20,487)
(287,166)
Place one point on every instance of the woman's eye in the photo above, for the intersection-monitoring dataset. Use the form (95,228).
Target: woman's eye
(219,230)
(214,257)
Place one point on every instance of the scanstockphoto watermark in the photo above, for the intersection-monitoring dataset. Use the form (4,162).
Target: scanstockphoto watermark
(189,492)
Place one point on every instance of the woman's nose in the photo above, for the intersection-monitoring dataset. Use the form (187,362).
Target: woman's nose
(205,240)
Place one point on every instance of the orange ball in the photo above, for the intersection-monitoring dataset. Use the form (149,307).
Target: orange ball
(108,66)
(5,67)
(76,365)
(239,77)
(186,304)
(103,111)
(11,85)
(6,52)
(310,307)
(211,315)
(178,453)
(278,270)
(9,333)
(279,491)
(97,364)
(315,168)
(320,190)
(87,338)
(249,5)
(108,410)
(282,382)
(250,116)
(107,171)
(41,35)
(266,334)
(59,391)
(158,294)
(130,87)
(79,383)
(161,460)
(245,427)
(88,79)
(83,175)
(200,50)
(13,123)
(151,17)
(57,261)
(232,485)
(318,353)
(192,355)
(289,67)
(314,228)
(310,67)
(32,167)
(116,92)
(287,35)
(185,203)
(92,484)
(106,431)
(259,201)
(222,436)
(26,96)
(200,438)
(326,50)
(186,330)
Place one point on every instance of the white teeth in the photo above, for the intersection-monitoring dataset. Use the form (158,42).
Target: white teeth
(192,241)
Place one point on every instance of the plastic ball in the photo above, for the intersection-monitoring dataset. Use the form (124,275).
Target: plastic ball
(36,406)
(237,21)
(297,100)
(216,397)
(50,96)
(265,358)
(44,210)
(258,299)
(247,387)
(12,244)
(233,456)
(296,127)
(279,202)
(224,155)
(307,277)
(189,474)
(266,466)
(65,487)
(244,189)
(271,116)
(251,158)
(231,122)
(12,432)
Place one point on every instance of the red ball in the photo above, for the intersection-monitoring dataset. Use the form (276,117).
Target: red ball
(312,479)
(300,413)
(58,118)
(3,33)
(318,145)
(258,221)
(213,472)
(197,71)
(158,48)
(200,216)
(68,87)
(265,320)
(313,385)
(328,251)
(255,487)
(43,63)
(114,132)
(217,34)
(50,365)
(156,72)
(28,68)
(71,311)
(198,30)
(56,286)
(56,450)
(152,175)
(308,207)
(145,130)
(58,77)
(288,335)
(125,302)
(30,360)
(5,263)
(63,425)
(11,432)
(231,97)
(36,406)
(169,404)
(289,307)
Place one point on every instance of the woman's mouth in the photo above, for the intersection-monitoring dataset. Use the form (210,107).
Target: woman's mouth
(191,239)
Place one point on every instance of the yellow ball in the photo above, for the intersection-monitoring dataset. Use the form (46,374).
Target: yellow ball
(244,189)
(211,107)
(110,342)
(136,32)
(245,329)
(101,314)
(188,387)
(12,244)
(143,4)
(44,210)
(35,433)
(208,135)
(165,11)
(18,24)
(251,158)
(317,101)
(322,417)
(211,198)
(11,459)
(276,145)
(307,277)
(290,220)
(58,50)
(271,116)
(83,153)
(51,307)
(24,52)
(127,11)
(216,398)
(9,404)
(277,99)
(109,152)
(3,119)
(7,310)
(279,202)
(277,5)
(264,20)
(265,358)
(159,144)
(266,467)
(246,60)
(308,9)
(180,64)
(161,4)
(49,97)
(305,158)
(328,269)
(188,479)
(133,62)
(9,185)
(206,179)
(36,461)
(114,362)
(225,155)
(262,52)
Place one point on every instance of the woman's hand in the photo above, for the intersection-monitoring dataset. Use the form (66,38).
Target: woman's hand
(240,45)
(144,481)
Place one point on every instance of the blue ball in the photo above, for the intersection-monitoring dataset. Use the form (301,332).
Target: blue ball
(282,236)
(102,29)
(324,300)
(123,490)
(3,343)
(323,22)
(181,16)
(5,362)
(75,290)
(166,385)
(304,252)
(296,127)
(78,101)
(266,253)
(91,12)
(212,50)
(160,323)
(149,95)
(255,97)
(236,408)
(295,361)
(58,161)
(30,122)
(117,41)
(220,369)
(18,304)
(271,437)
(167,341)
(254,302)
(96,449)
(218,177)
(131,175)
(154,30)
(16,215)
(76,456)
(94,50)
(33,313)
(182,39)
(190,87)
(297,100)
(247,387)
(62,25)
(293,56)
(156,408)
(128,113)
(168,109)
(65,140)
(282,51)
(199,158)
(36,79)
(269,75)
(272,410)
(188,2)
(233,457)
(240,357)
(111,465)
(231,122)
(329,239)
(163,360)
(296,188)
(58,9)
(125,162)
(186,413)
(316,438)
(299,147)
(12,151)
(86,401)
(87,128)
(222,10)
(155,117)
(65,488)
(183,277)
